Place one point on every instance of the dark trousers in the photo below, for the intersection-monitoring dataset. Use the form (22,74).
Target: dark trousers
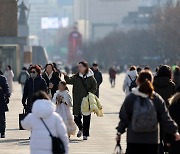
(2,122)
(113,82)
(97,93)
(85,126)
(133,148)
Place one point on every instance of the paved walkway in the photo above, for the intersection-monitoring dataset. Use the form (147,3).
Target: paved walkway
(102,140)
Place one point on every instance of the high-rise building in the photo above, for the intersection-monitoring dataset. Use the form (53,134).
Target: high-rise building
(97,18)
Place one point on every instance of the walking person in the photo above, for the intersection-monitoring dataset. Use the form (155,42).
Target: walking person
(130,80)
(175,114)
(4,100)
(24,75)
(97,76)
(10,76)
(176,77)
(83,82)
(112,76)
(63,102)
(141,113)
(43,110)
(34,84)
(52,79)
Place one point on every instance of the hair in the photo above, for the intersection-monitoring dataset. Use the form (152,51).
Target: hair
(165,71)
(139,69)
(51,66)
(24,68)
(64,84)
(177,69)
(95,64)
(37,68)
(146,68)
(132,68)
(40,95)
(145,80)
(85,64)
(9,67)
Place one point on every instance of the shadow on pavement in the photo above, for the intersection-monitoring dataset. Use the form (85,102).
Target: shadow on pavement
(19,141)
(108,113)
(75,141)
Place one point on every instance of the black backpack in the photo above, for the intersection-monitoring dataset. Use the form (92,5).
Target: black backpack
(133,83)
(57,144)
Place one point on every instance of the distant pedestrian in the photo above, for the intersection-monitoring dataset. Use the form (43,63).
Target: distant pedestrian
(41,142)
(112,76)
(163,83)
(83,82)
(174,110)
(139,69)
(4,100)
(140,114)
(130,80)
(63,102)
(52,79)
(34,84)
(176,76)
(24,75)
(97,76)
(10,76)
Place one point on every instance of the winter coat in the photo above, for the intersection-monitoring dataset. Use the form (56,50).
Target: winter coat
(79,91)
(126,112)
(176,79)
(112,73)
(9,75)
(165,87)
(91,104)
(41,142)
(32,86)
(54,79)
(4,94)
(127,81)
(24,75)
(98,77)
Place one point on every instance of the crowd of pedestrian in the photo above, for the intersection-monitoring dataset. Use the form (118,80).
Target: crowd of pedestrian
(150,112)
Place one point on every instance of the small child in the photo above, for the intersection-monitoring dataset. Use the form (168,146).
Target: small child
(63,102)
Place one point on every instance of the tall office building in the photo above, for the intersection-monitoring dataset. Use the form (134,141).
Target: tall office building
(97,18)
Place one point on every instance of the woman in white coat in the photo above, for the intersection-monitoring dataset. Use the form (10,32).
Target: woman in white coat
(41,142)
(9,76)
(131,76)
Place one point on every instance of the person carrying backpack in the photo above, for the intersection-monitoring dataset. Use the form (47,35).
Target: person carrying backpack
(24,75)
(130,80)
(141,113)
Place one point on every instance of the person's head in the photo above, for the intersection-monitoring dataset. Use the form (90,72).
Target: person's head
(147,68)
(40,95)
(145,82)
(24,69)
(49,68)
(83,67)
(35,71)
(165,71)
(9,67)
(95,66)
(63,86)
(139,69)
(177,69)
(132,68)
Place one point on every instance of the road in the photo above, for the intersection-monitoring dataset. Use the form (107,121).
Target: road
(102,139)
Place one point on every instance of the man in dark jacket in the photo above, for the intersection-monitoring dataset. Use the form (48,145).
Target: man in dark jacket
(4,100)
(97,76)
(34,84)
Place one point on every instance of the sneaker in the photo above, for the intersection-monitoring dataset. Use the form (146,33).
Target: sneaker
(85,138)
(2,135)
(79,134)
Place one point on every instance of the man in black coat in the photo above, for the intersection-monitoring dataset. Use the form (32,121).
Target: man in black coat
(4,100)
(98,76)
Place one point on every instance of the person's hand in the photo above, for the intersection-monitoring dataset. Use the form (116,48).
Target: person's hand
(177,137)
(51,85)
(118,138)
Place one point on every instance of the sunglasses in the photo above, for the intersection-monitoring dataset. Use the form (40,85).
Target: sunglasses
(33,72)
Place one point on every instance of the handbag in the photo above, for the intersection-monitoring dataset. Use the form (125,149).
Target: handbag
(118,149)
(57,144)
(21,117)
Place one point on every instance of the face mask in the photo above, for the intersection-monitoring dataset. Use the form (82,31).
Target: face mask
(33,75)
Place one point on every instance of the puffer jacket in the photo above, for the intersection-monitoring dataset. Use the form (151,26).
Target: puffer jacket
(127,81)
(41,142)
(90,104)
